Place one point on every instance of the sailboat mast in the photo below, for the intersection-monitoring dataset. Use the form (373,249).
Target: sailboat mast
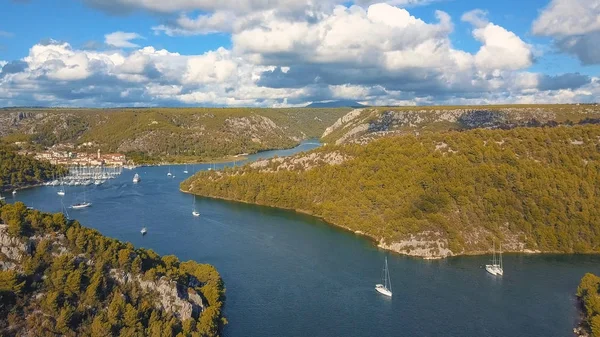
(501,256)
(389,279)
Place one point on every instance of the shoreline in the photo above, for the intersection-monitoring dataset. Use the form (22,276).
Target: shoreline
(229,158)
(223,160)
(377,243)
(19,188)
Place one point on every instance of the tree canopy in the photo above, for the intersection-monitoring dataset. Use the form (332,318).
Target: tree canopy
(66,283)
(529,188)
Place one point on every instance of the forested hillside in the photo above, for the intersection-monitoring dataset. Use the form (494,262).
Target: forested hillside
(58,278)
(19,171)
(177,134)
(588,294)
(365,124)
(440,194)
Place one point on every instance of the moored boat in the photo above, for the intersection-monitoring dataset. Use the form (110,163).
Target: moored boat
(386,287)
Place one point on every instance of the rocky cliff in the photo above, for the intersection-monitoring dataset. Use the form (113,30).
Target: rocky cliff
(364,125)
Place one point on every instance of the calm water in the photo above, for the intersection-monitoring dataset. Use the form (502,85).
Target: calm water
(292,275)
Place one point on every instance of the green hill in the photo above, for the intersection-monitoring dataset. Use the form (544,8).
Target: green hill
(58,278)
(440,194)
(588,295)
(20,171)
(178,134)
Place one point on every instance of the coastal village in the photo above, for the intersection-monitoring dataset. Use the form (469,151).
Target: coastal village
(68,157)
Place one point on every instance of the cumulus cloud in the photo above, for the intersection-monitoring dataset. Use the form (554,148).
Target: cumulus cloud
(377,54)
(575,27)
(122,39)
(220,21)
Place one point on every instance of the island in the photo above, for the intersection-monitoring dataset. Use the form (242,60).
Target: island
(60,278)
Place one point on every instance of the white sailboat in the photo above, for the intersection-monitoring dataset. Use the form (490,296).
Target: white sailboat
(194,211)
(186,169)
(83,204)
(386,287)
(14,192)
(136,178)
(61,192)
(144,231)
(169,174)
(496,268)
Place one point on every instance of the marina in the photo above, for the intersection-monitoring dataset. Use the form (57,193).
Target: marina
(87,175)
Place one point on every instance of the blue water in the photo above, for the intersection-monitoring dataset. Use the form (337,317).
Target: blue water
(289,274)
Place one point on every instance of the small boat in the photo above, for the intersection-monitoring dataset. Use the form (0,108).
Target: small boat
(136,178)
(14,192)
(81,205)
(386,287)
(61,192)
(144,231)
(496,267)
(186,169)
(169,174)
(194,211)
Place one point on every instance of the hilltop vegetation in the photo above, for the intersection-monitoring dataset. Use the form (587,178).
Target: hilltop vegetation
(588,294)
(363,125)
(19,171)
(440,194)
(157,134)
(59,278)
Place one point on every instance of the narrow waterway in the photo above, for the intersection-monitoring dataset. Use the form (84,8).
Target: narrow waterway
(289,274)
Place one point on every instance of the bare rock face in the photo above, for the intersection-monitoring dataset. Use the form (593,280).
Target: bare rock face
(429,245)
(180,300)
(364,125)
(301,163)
(482,119)
(11,249)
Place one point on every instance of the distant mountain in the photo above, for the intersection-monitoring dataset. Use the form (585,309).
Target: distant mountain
(336,104)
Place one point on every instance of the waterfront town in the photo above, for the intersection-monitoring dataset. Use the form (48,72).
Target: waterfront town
(67,157)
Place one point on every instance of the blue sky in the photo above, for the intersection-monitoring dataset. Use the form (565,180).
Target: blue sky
(508,69)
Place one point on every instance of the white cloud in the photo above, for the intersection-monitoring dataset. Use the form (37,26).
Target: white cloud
(575,27)
(221,21)
(501,49)
(122,39)
(568,18)
(376,54)
(6,34)
(476,17)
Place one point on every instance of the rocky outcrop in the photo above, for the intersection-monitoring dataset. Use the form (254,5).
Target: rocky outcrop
(301,163)
(364,125)
(342,121)
(12,250)
(180,300)
(428,245)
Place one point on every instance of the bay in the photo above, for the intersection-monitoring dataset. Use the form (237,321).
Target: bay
(289,274)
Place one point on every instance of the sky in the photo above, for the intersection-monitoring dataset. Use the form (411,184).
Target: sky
(283,53)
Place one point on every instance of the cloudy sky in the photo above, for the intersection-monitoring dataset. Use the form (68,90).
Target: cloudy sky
(292,52)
